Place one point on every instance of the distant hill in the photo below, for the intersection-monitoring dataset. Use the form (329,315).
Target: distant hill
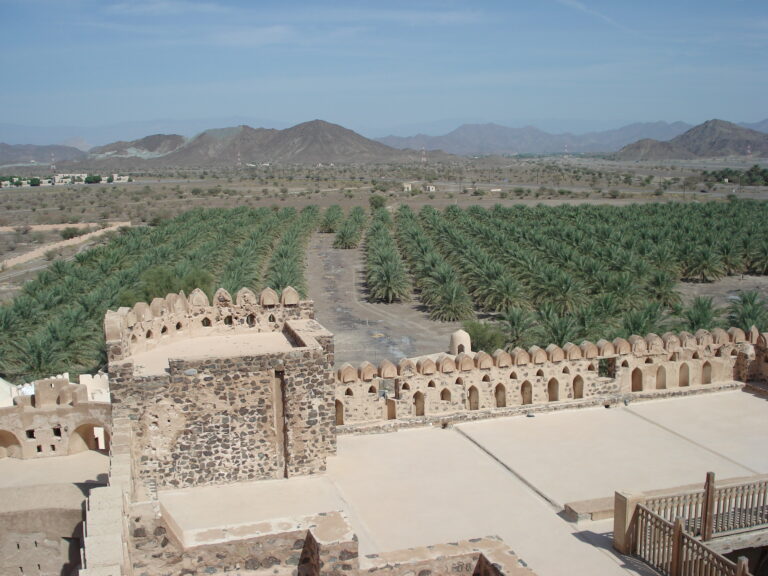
(761,126)
(319,141)
(712,139)
(649,149)
(32,154)
(147,147)
(219,146)
(486,139)
(308,143)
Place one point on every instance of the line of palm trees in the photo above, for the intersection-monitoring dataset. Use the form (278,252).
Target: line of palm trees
(350,232)
(386,276)
(55,323)
(559,274)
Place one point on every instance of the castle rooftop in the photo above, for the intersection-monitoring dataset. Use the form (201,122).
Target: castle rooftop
(154,362)
(503,476)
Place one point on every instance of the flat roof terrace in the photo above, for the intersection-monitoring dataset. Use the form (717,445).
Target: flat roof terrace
(155,362)
(505,477)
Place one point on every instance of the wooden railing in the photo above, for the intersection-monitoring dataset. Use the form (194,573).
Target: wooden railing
(654,540)
(697,559)
(739,508)
(689,507)
(716,511)
(672,551)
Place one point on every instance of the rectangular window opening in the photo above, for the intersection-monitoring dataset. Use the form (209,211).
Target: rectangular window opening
(57,431)
(30,433)
(39,448)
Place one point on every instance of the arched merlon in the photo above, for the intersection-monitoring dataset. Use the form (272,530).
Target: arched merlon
(129,331)
(585,371)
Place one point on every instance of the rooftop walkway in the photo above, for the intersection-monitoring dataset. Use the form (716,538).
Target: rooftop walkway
(506,477)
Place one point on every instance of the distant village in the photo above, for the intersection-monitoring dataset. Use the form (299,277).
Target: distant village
(61,180)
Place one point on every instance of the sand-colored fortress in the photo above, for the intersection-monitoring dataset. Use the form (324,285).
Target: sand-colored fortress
(244,389)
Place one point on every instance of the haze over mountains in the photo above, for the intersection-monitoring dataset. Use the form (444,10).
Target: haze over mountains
(483,139)
(322,142)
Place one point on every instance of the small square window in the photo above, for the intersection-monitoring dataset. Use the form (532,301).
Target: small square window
(39,448)
(53,448)
(30,433)
(57,431)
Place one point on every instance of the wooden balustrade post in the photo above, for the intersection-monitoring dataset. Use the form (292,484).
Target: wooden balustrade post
(708,508)
(677,548)
(742,566)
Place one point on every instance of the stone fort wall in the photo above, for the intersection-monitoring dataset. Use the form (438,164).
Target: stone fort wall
(220,420)
(463,381)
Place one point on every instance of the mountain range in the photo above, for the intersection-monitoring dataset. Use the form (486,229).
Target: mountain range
(307,143)
(322,142)
(485,139)
(712,139)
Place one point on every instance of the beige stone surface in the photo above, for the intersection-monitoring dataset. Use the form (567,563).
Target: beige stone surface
(591,453)
(734,424)
(430,486)
(40,497)
(246,509)
(155,361)
(87,466)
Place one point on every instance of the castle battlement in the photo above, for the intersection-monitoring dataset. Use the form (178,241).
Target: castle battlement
(464,381)
(58,419)
(176,317)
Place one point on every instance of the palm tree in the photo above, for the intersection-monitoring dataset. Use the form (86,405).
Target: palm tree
(554,328)
(705,265)
(517,323)
(649,318)
(451,302)
(700,314)
(748,310)
(661,287)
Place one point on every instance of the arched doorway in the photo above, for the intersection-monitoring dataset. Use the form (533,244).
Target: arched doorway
(637,380)
(706,373)
(685,376)
(553,390)
(474,398)
(526,393)
(501,396)
(339,413)
(445,395)
(89,437)
(578,387)
(418,403)
(10,447)
(661,378)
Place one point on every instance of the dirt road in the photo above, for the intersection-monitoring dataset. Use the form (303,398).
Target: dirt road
(366,331)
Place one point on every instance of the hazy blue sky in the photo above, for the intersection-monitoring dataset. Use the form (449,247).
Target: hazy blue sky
(385,67)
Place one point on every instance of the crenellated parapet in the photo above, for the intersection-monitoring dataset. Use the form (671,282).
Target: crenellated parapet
(462,380)
(145,326)
(55,417)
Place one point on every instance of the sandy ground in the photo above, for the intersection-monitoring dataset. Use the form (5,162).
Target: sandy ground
(424,486)
(365,331)
(725,290)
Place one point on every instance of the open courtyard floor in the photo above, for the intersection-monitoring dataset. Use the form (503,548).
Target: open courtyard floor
(507,477)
